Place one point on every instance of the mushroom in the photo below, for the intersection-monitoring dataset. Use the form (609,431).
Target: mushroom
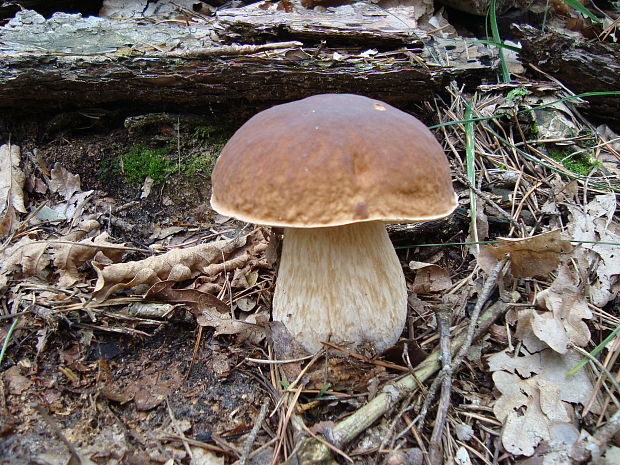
(332,169)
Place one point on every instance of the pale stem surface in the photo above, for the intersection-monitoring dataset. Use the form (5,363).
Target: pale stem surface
(341,284)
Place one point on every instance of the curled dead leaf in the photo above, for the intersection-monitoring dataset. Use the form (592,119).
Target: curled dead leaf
(242,260)
(594,224)
(536,394)
(249,327)
(532,256)
(64,183)
(212,312)
(563,324)
(68,257)
(26,258)
(196,300)
(175,265)
(430,278)
(254,327)
(30,257)
(202,456)
(12,181)
(17,383)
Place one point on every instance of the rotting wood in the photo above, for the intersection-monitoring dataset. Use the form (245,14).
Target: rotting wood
(444,230)
(357,24)
(225,50)
(582,66)
(68,62)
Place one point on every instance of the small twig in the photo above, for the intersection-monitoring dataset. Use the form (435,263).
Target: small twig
(260,449)
(360,420)
(179,431)
(443,317)
(278,362)
(484,295)
(389,436)
(195,442)
(195,352)
(52,424)
(485,198)
(593,447)
(86,244)
(363,358)
(325,443)
(284,424)
(230,449)
(430,397)
(247,447)
(178,134)
(230,50)
(198,239)
(125,206)
(610,377)
(2,396)
(488,286)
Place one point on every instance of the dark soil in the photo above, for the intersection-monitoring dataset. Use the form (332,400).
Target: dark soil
(143,375)
(95,153)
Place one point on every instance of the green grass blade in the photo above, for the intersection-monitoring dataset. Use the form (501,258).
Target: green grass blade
(8,338)
(470,154)
(499,44)
(583,10)
(551,167)
(323,390)
(573,97)
(497,38)
(440,244)
(465,121)
(595,351)
(543,26)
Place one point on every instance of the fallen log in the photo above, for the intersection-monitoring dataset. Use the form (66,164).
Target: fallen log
(69,62)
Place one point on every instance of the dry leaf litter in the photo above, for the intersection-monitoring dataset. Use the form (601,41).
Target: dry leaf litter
(117,351)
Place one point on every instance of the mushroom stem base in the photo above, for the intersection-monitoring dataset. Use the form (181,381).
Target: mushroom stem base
(344,285)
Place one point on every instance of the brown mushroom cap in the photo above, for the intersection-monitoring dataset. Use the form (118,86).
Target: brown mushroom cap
(330,160)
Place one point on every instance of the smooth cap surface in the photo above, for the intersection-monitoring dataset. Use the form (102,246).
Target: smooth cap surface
(330,160)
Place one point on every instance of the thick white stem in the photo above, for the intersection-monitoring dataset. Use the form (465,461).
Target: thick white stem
(343,284)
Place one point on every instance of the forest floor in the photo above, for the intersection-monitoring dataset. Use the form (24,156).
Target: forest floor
(135,320)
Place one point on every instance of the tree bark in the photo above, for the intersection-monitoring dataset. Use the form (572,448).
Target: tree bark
(579,65)
(69,62)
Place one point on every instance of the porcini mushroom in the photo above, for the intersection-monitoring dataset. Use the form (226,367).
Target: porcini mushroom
(331,169)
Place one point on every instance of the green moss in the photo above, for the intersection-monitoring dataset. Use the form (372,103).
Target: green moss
(516,95)
(202,163)
(198,153)
(578,163)
(143,161)
(213,139)
(214,135)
